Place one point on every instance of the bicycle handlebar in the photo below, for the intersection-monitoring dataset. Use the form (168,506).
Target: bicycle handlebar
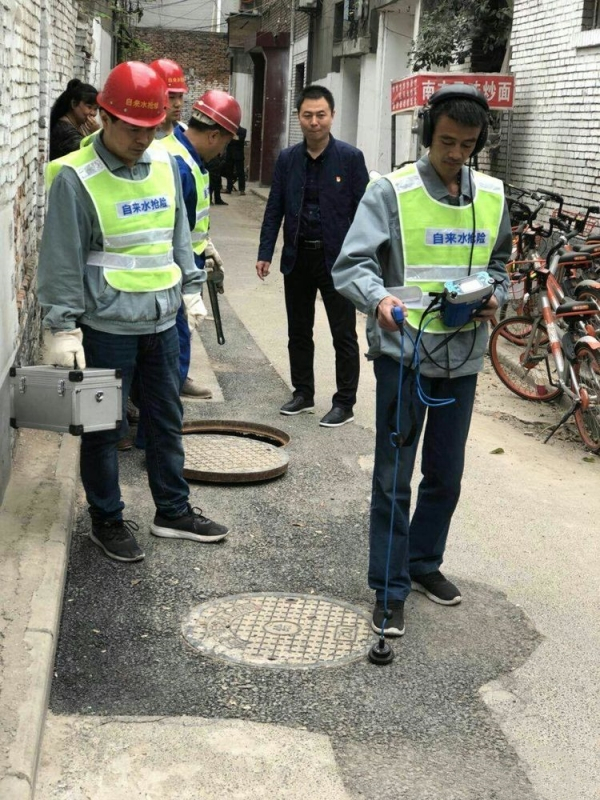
(551,196)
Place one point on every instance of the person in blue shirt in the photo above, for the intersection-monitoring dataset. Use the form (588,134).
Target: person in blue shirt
(213,124)
(173,76)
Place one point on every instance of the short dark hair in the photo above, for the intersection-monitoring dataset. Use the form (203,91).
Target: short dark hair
(462,110)
(76,91)
(315,92)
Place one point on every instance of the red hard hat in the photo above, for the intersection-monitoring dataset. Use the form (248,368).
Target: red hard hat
(171,73)
(219,107)
(134,93)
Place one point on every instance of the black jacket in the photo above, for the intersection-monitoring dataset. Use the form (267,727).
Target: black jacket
(343,179)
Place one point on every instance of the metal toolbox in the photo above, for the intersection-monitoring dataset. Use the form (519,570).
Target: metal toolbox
(65,400)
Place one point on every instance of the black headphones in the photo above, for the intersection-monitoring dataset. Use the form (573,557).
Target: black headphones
(452,91)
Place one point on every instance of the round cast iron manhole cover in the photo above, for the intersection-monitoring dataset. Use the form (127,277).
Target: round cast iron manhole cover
(290,631)
(225,458)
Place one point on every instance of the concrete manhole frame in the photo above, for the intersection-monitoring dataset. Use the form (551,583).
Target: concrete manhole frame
(265,435)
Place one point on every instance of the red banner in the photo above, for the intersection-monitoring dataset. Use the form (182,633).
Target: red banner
(414,91)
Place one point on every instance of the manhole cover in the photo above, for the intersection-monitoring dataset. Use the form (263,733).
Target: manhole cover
(279,630)
(225,458)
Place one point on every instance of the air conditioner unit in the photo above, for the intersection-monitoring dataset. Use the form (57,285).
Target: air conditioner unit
(308,5)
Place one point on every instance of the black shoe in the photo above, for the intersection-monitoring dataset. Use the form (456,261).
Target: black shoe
(297,405)
(336,417)
(221,203)
(190,526)
(437,588)
(394,626)
(115,537)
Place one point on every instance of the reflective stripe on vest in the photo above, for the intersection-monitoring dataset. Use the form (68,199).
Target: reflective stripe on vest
(440,241)
(200,232)
(136,218)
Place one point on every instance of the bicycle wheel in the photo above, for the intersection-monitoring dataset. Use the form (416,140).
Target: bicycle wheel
(590,293)
(526,368)
(587,369)
(515,333)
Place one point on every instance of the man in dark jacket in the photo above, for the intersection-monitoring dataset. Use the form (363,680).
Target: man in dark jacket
(317,186)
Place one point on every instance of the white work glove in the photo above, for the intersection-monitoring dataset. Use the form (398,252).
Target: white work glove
(213,264)
(64,349)
(195,310)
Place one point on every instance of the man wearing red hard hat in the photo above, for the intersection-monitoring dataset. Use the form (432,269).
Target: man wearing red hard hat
(174,78)
(172,75)
(114,261)
(214,122)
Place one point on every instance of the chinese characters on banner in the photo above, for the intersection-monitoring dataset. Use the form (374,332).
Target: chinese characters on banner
(414,91)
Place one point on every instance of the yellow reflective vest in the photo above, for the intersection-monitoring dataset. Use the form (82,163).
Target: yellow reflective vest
(202,179)
(441,242)
(137,219)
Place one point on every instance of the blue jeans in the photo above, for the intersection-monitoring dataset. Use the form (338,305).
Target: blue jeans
(418,543)
(155,359)
(185,355)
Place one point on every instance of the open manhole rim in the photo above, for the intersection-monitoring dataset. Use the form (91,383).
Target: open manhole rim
(221,657)
(234,427)
(253,431)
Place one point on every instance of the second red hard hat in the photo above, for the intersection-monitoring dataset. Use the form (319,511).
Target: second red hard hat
(171,73)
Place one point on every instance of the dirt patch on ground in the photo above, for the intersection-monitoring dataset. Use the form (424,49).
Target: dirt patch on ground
(531,418)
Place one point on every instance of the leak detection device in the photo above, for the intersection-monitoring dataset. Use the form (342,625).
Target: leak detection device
(463,297)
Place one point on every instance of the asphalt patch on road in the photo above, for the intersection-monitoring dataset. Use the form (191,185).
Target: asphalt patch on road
(415,728)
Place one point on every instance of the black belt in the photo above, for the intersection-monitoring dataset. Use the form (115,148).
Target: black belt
(311,244)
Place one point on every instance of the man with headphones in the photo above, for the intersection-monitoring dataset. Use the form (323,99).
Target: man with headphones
(415,229)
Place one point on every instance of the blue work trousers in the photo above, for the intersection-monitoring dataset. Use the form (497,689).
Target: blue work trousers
(417,543)
(155,359)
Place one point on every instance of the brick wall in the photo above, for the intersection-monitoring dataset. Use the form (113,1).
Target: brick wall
(556,116)
(275,16)
(202,56)
(38,52)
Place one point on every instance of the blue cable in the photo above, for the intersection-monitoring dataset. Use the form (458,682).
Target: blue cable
(400,324)
(431,402)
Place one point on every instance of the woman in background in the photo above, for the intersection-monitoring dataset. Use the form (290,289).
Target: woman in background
(72,117)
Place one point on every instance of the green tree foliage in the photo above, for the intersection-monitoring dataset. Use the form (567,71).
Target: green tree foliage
(451,30)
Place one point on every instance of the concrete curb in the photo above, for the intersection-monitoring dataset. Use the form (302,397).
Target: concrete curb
(36,519)
(260,192)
